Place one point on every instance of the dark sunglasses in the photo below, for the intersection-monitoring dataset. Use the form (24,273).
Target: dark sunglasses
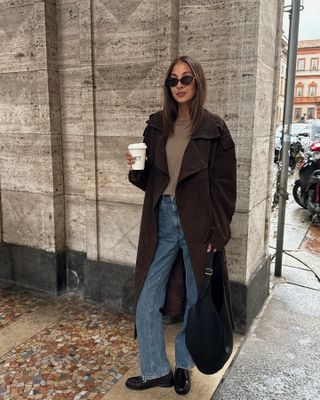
(185,80)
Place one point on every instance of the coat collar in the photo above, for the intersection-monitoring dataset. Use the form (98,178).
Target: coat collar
(193,160)
(208,128)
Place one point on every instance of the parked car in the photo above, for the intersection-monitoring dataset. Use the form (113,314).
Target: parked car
(315,132)
(300,132)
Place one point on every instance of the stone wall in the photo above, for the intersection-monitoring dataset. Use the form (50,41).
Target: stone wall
(79,79)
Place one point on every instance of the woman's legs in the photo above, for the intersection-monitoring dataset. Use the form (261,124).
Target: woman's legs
(153,359)
(182,355)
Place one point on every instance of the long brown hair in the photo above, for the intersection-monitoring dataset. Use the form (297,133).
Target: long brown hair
(170,106)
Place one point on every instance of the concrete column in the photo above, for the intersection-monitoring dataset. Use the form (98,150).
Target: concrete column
(32,200)
(236,43)
(133,44)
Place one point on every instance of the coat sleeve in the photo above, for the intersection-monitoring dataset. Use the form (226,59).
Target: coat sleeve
(223,189)
(140,178)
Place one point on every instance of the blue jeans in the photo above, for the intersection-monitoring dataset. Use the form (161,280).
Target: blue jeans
(150,335)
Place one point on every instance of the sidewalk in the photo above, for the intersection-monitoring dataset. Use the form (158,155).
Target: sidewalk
(280,357)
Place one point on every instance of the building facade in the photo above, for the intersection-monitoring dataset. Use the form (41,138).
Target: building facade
(307,82)
(79,79)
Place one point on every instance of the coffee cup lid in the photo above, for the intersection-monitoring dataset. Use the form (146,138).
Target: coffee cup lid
(135,146)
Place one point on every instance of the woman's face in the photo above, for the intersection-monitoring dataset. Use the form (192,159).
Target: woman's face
(183,94)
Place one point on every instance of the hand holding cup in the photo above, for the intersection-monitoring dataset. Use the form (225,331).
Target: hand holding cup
(136,156)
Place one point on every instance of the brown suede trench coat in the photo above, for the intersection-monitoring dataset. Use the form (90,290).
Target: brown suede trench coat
(205,197)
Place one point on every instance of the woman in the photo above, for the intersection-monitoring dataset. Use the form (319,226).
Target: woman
(190,193)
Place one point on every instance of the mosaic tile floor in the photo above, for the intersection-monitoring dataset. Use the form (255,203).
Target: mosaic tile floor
(80,357)
(23,302)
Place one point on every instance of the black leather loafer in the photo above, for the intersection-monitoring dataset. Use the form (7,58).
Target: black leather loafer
(137,383)
(182,383)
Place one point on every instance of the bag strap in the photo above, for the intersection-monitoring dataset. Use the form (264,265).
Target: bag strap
(208,275)
(215,261)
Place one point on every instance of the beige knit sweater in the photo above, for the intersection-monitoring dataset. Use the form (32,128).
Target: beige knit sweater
(175,148)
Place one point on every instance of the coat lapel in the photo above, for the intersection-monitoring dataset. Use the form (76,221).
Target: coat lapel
(193,160)
(160,158)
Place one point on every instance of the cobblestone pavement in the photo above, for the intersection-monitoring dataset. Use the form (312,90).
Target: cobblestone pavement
(23,304)
(80,357)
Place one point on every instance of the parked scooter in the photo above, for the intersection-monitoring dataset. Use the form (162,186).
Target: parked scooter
(306,189)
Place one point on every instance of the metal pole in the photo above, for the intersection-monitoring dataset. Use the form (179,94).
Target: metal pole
(292,59)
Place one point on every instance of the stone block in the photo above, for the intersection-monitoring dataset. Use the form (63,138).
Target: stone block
(113,184)
(110,284)
(264,98)
(75,222)
(247,299)
(145,33)
(230,25)
(75,262)
(118,227)
(90,149)
(35,268)
(6,270)
(236,249)
(85,33)
(54,111)
(59,223)
(259,171)
(231,92)
(51,35)
(26,163)
(92,229)
(71,102)
(68,34)
(256,238)
(23,37)
(139,31)
(28,219)
(267,32)
(24,103)
(124,98)
(74,165)
(243,155)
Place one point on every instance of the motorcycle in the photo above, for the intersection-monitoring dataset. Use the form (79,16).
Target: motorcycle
(306,189)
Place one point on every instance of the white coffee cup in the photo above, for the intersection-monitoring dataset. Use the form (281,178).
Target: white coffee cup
(138,152)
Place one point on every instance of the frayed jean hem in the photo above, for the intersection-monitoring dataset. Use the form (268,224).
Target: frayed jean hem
(155,376)
(185,366)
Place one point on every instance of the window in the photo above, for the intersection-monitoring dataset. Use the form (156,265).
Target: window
(312,90)
(314,63)
(299,91)
(310,113)
(297,113)
(281,88)
(301,64)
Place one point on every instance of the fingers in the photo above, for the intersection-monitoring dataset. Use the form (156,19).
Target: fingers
(130,159)
(210,248)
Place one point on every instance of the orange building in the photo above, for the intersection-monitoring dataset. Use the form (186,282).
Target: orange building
(307,84)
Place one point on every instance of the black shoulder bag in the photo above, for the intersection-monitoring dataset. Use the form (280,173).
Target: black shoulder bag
(209,336)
